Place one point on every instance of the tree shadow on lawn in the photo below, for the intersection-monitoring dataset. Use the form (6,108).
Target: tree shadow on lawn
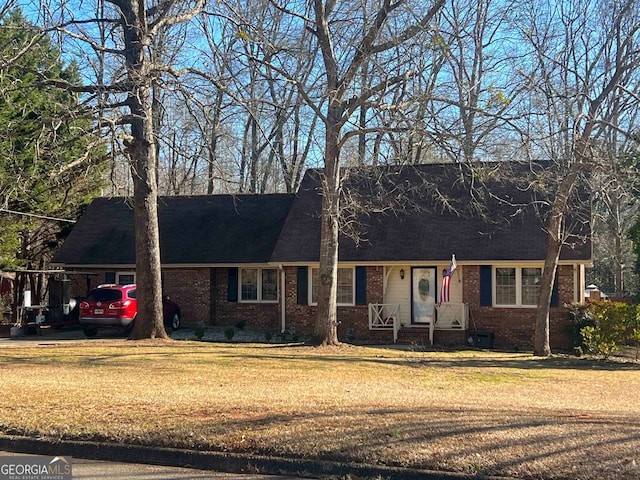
(437,360)
(376,355)
(541,444)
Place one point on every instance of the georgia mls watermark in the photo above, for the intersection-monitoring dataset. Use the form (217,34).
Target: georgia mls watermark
(35,467)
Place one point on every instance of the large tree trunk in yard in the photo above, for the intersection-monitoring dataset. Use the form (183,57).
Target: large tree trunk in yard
(555,228)
(149,322)
(326,328)
(542,345)
(142,151)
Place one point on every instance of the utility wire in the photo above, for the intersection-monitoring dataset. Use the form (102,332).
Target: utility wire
(41,217)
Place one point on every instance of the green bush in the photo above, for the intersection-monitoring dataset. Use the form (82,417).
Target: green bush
(241,324)
(609,326)
(580,317)
(268,335)
(229,333)
(633,331)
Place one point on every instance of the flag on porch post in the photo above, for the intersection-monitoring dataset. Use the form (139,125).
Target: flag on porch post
(446,281)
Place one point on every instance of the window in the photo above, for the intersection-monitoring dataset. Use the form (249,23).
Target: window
(506,286)
(125,278)
(517,286)
(270,285)
(531,279)
(346,286)
(249,284)
(258,285)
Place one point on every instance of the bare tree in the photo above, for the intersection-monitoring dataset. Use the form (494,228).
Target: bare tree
(132,28)
(584,52)
(473,101)
(354,41)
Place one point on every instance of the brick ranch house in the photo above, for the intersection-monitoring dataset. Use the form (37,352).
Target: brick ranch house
(254,258)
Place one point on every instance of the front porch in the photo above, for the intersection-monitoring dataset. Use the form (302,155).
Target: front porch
(450,317)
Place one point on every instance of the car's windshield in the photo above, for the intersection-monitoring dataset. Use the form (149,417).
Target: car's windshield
(104,295)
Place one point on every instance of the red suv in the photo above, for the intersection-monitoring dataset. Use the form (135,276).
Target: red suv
(117,306)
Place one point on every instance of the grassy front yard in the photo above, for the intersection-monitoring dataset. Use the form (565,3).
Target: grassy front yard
(470,411)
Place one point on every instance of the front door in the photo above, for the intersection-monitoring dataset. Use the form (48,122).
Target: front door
(423,295)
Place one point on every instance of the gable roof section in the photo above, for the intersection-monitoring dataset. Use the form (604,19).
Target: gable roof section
(421,228)
(204,229)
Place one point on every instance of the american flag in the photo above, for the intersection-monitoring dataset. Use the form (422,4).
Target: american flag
(446,281)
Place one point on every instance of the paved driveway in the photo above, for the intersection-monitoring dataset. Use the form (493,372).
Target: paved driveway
(50,336)
(98,470)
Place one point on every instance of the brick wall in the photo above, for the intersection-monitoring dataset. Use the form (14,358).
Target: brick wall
(224,312)
(354,320)
(515,327)
(189,288)
(202,296)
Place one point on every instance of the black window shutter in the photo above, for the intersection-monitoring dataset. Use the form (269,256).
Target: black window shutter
(486,296)
(109,277)
(554,292)
(361,285)
(303,286)
(232,292)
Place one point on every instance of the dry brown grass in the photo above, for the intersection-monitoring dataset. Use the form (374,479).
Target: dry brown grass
(486,412)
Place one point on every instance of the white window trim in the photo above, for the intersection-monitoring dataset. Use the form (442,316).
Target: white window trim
(353,287)
(118,274)
(259,279)
(494,285)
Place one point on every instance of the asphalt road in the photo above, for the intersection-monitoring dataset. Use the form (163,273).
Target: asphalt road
(98,470)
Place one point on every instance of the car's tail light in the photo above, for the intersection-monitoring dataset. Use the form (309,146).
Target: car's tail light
(119,305)
(84,305)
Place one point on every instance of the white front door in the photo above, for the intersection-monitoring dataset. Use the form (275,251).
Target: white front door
(423,295)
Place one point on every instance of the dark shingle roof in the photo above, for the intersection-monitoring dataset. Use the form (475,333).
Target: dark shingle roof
(422,228)
(193,230)
(413,213)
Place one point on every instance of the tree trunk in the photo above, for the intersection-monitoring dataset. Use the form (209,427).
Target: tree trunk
(541,344)
(142,151)
(326,328)
(619,284)
(213,142)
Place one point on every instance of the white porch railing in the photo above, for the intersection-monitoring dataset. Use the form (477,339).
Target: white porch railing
(385,316)
(452,316)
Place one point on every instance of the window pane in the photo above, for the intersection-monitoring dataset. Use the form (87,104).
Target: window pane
(249,285)
(315,278)
(104,295)
(505,286)
(531,279)
(270,284)
(126,279)
(345,285)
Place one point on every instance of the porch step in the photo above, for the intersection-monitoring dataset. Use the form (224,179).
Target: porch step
(418,336)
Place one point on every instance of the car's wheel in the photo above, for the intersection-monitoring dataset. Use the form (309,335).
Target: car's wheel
(129,328)
(90,332)
(174,321)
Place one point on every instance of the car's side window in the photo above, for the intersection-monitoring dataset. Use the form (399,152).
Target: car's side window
(132,293)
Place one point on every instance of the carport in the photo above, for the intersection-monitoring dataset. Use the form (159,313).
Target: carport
(42,297)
